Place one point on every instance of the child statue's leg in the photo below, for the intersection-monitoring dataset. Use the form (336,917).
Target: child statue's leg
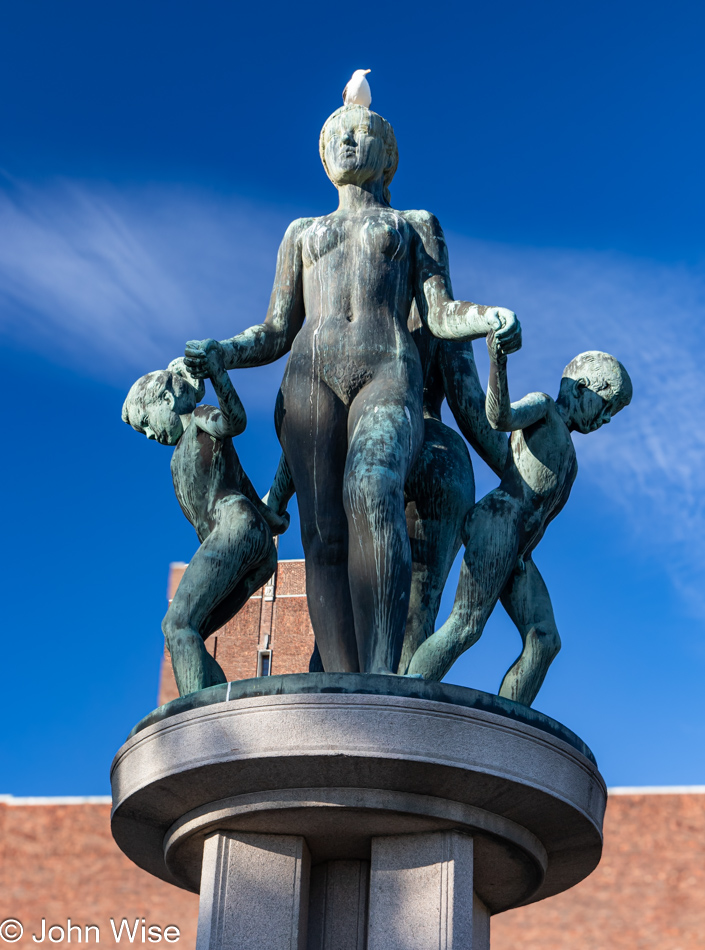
(236,558)
(488,560)
(527,601)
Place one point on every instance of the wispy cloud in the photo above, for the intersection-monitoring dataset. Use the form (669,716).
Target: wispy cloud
(117,281)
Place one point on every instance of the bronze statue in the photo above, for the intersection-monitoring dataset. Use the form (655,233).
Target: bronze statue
(350,410)
(362,302)
(504,528)
(237,554)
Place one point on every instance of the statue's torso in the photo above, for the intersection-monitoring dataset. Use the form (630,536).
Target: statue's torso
(541,469)
(358,290)
(204,470)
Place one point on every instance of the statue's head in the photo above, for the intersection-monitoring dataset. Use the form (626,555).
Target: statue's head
(358,146)
(156,402)
(599,386)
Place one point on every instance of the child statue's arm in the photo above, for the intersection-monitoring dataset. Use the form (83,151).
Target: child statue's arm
(466,400)
(446,318)
(278,521)
(230,419)
(503,414)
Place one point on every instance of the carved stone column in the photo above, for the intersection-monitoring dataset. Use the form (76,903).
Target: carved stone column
(338,906)
(254,892)
(422,895)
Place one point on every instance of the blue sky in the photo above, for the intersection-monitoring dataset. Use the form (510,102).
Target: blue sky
(151,157)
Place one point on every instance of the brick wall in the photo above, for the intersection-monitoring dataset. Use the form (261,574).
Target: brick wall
(648,893)
(59,861)
(276,618)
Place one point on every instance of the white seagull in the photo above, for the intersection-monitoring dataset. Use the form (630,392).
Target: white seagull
(357,92)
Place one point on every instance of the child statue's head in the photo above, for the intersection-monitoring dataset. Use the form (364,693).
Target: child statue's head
(598,387)
(156,402)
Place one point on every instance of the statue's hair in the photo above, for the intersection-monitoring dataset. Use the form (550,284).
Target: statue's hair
(148,389)
(390,142)
(604,375)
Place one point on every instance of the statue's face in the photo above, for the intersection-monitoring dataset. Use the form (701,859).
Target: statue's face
(355,150)
(158,419)
(593,411)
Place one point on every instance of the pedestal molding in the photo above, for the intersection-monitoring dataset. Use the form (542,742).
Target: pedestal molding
(300,810)
(341,768)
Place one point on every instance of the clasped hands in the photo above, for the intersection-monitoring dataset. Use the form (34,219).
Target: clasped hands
(204,358)
(505,336)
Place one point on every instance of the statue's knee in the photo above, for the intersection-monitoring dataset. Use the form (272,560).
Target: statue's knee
(547,640)
(368,493)
(181,638)
(169,626)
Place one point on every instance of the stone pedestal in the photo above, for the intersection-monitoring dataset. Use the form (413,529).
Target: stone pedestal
(254,892)
(349,812)
(422,895)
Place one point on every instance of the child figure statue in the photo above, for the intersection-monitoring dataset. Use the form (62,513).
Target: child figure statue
(505,526)
(237,553)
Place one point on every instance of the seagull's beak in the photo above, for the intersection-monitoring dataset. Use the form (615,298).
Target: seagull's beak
(365,71)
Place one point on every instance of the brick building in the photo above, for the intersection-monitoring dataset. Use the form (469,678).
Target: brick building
(58,859)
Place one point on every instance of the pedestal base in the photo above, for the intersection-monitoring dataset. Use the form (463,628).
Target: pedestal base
(357,818)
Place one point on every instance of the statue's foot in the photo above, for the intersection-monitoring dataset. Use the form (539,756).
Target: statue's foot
(414,676)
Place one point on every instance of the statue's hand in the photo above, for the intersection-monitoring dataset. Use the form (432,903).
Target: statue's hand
(277,523)
(506,329)
(495,349)
(200,357)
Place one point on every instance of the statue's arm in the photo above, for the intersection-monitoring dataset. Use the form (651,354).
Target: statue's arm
(446,318)
(466,400)
(278,521)
(230,419)
(503,414)
(282,489)
(266,341)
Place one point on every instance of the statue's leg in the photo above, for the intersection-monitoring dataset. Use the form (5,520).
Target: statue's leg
(440,492)
(527,601)
(236,558)
(489,557)
(385,429)
(312,427)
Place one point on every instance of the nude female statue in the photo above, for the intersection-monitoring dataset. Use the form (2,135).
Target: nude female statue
(349,413)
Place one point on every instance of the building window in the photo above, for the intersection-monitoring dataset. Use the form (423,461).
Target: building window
(264,662)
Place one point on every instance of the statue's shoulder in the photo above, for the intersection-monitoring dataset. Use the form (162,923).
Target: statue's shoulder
(423,221)
(428,230)
(297,228)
